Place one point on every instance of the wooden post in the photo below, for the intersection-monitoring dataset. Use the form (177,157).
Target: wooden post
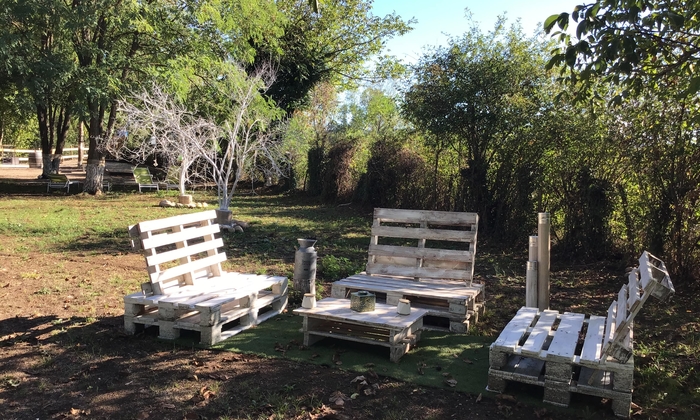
(531,274)
(532,249)
(543,248)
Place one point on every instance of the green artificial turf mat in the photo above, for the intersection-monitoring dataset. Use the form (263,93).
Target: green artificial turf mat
(439,356)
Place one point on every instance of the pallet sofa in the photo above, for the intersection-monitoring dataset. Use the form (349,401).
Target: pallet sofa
(188,289)
(571,352)
(426,257)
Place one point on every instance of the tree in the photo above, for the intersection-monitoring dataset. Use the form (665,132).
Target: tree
(481,99)
(157,125)
(247,135)
(37,59)
(330,46)
(632,44)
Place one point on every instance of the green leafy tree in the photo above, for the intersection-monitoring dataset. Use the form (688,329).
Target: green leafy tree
(327,45)
(632,44)
(481,99)
(38,60)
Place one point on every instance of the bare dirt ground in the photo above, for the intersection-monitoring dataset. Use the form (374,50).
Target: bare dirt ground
(64,355)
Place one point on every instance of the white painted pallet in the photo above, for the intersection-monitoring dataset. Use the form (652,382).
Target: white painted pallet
(188,289)
(383,326)
(573,352)
(409,257)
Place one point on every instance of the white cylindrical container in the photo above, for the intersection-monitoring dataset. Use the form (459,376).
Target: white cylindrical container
(543,227)
(309,301)
(305,266)
(404,307)
(531,284)
(532,248)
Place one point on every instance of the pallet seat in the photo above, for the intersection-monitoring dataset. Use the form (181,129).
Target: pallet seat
(187,287)
(572,352)
(426,257)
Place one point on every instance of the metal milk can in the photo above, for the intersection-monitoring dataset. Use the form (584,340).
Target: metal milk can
(305,266)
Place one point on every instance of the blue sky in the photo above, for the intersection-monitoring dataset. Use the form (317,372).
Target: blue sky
(439,17)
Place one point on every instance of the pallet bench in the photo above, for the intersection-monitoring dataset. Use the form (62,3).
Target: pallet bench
(383,326)
(188,289)
(426,257)
(571,352)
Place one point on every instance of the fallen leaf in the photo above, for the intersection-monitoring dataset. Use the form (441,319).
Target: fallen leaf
(170,406)
(478,399)
(451,382)
(339,402)
(75,411)
(315,355)
(506,397)
(446,374)
(358,379)
(541,413)
(354,396)
(468,361)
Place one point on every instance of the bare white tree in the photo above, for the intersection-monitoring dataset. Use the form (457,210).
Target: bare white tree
(231,149)
(247,135)
(158,125)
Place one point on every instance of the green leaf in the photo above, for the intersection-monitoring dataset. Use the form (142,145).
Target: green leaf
(563,21)
(693,86)
(581,29)
(549,22)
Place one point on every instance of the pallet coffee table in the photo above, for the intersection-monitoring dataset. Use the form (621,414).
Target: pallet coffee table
(384,327)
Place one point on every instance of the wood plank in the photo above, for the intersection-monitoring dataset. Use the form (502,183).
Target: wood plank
(419,233)
(159,240)
(609,325)
(446,218)
(350,338)
(621,313)
(515,329)
(563,345)
(399,282)
(424,253)
(189,250)
(339,309)
(539,333)
(422,272)
(593,343)
(407,287)
(193,266)
(633,292)
(182,219)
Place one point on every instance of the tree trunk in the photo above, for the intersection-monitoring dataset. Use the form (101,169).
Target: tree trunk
(95,169)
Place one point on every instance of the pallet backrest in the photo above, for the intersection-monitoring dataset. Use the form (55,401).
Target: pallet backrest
(422,245)
(649,279)
(179,250)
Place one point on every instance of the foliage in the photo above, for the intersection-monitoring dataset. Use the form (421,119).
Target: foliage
(632,44)
(330,46)
(334,268)
(396,177)
(38,60)
(482,99)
